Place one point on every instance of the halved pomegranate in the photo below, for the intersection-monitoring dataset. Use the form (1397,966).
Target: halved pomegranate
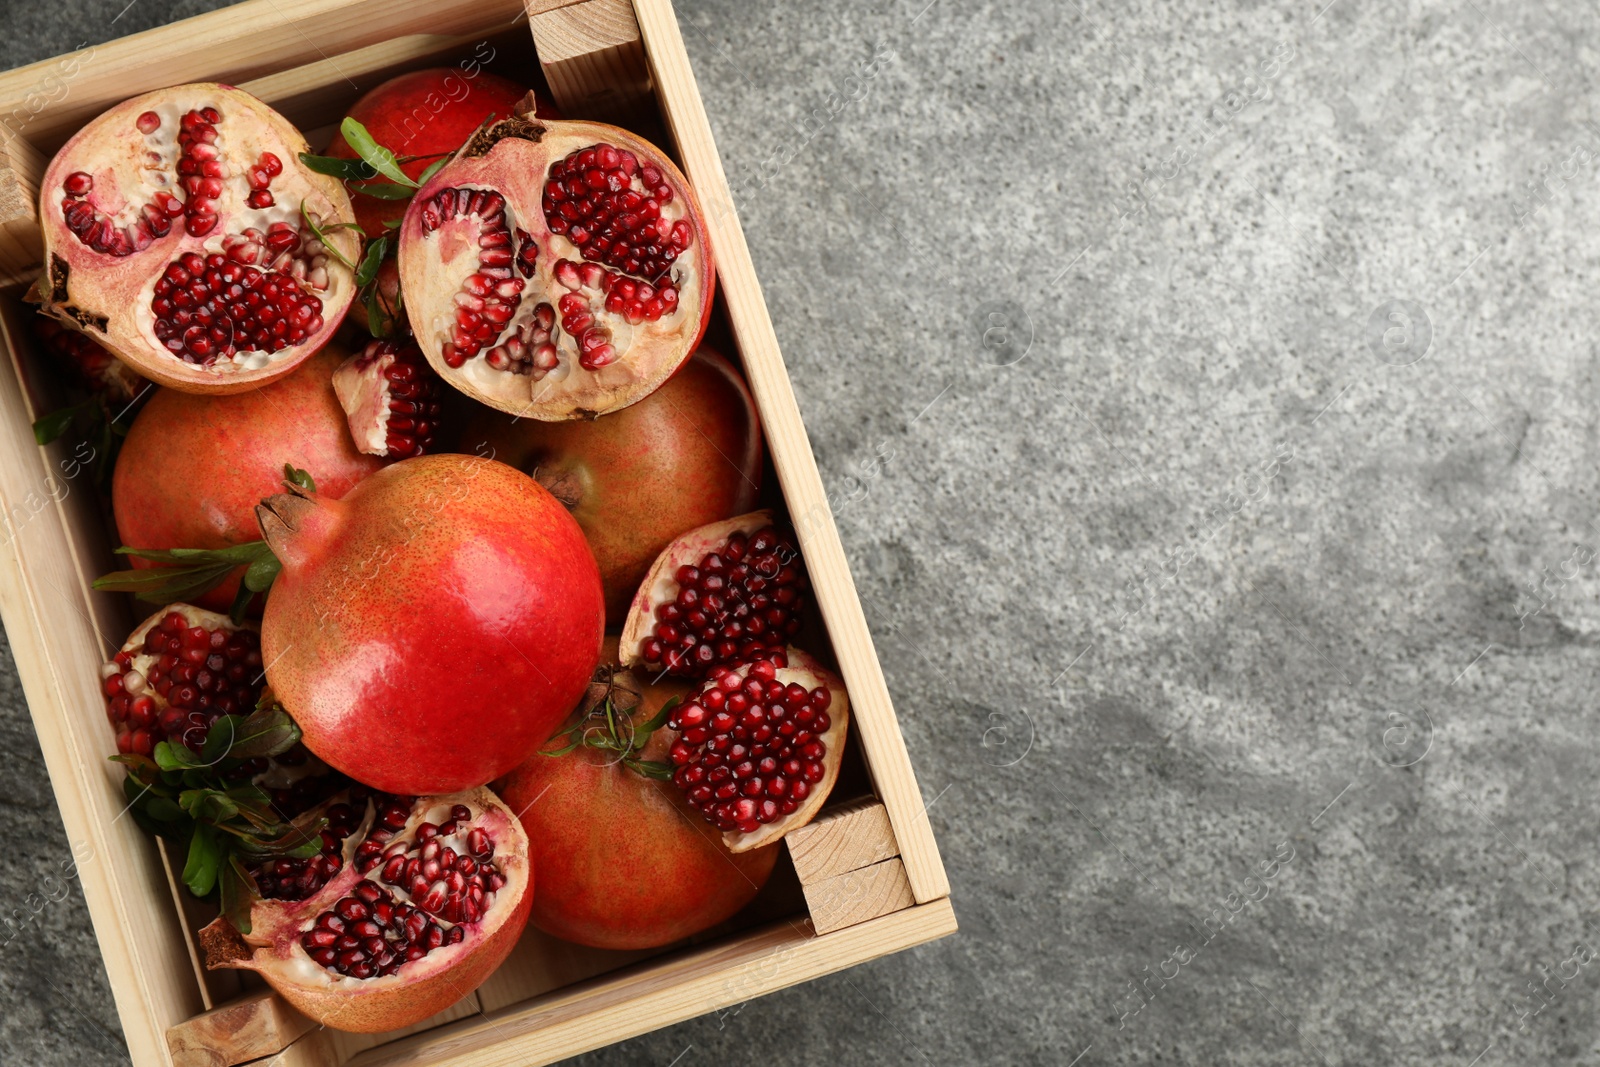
(718,595)
(556,270)
(759,746)
(391,397)
(623,861)
(179,671)
(176,235)
(420,903)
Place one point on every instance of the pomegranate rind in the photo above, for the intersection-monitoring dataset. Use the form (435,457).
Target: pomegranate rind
(193,468)
(433,266)
(688,454)
(430,630)
(422,113)
(420,988)
(660,585)
(623,861)
(108,298)
(803,669)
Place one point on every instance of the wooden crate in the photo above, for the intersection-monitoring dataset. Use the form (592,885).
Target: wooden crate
(868,873)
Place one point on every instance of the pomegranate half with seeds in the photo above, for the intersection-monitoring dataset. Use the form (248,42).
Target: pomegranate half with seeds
(431,629)
(716,596)
(193,468)
(759,746)
(391,397)
(686,455)
(556,270)
(410,906)
(623,861)
(178,672)
(175,235)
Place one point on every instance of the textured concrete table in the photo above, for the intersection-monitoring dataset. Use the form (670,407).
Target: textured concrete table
(1208,396)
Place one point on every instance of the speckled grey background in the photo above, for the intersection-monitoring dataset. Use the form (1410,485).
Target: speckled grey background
(1207,391)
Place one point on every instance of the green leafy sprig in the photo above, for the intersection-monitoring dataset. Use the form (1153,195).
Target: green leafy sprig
(204,802)
(608,726)
(187,573)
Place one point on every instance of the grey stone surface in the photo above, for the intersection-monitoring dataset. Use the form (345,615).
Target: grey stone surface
(1228,571)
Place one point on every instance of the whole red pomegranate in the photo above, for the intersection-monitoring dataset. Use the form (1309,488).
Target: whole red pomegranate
(623,861)
(556,270)
(193,468)
(427,113)
(431,629)
(175,234)
(687,455)
(412,903)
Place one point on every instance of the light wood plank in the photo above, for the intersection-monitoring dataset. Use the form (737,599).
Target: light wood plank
(59,637)
(241,43)
(850,837)
(343,1046)
(873,714)
(541,963)
(257,1024)
(663,992)
(593,60)
(856,896)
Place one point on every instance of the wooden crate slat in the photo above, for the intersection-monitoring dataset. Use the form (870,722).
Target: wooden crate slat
(55,634)
(667,991)
(252,40)
(874,719)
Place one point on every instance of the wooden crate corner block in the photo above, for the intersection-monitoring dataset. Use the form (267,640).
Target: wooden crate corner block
(255,1025)
(850,837)
(856,896)
(592,57)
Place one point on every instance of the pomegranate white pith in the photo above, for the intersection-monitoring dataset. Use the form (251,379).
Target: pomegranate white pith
(714,597)
(759,746)
(556,270)
(174,236)
(428,897)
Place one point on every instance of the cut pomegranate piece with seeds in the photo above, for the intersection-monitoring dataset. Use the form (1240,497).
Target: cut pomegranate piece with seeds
(556,270)
(759,746)
(391,397)
(175,236)
(180,671)
(718,595)
(101,372)
(412,903)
